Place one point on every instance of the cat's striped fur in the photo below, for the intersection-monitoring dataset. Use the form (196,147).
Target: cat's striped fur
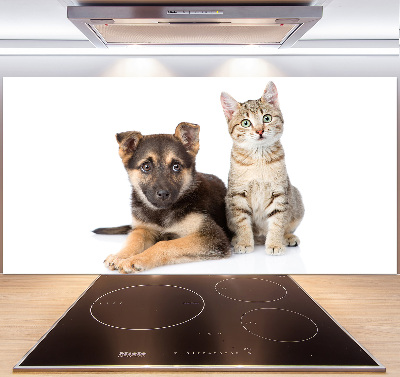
(262,204)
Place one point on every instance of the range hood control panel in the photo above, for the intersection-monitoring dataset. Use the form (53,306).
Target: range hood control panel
(197,12)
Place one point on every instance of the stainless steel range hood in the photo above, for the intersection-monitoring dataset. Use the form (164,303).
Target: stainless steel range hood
(116,26)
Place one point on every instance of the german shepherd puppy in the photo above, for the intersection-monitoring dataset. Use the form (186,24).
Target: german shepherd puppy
(178,215)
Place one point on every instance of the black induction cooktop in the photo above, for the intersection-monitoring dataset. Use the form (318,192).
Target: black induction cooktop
(197,322)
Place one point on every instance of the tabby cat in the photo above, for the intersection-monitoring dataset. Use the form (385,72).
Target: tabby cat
(262,205)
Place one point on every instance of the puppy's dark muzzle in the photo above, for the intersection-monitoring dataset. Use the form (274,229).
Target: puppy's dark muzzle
(163,195)
(163,198)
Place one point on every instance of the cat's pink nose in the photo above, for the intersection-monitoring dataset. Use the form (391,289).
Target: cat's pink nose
(260,132)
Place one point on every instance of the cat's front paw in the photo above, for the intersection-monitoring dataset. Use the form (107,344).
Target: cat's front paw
(241,246)
(292,240)
(275,249)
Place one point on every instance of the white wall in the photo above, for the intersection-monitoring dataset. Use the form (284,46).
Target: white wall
(268,67)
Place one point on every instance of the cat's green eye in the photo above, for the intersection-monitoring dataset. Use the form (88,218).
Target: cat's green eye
(267,118)
(246,123)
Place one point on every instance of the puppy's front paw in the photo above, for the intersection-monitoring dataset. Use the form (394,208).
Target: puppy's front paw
(131,265)
(275,249)
(242,246)
(112,262)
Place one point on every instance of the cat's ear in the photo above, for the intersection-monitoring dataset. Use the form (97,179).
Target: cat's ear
(229,105)
(188,135)
(271,94)
(128,142)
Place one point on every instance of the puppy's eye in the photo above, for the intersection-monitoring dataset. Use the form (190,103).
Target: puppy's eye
(245,123)
(176,167)
(267,118)
(146,167)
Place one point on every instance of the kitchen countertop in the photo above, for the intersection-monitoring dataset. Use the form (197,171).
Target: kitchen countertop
(368,307)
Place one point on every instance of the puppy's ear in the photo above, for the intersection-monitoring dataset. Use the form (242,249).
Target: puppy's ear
(128,142)
(188,134)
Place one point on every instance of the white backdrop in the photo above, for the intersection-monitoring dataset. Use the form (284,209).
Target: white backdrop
(63,176)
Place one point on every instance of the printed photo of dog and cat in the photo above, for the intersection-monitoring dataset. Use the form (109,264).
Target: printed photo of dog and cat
(230,174)
(180,215)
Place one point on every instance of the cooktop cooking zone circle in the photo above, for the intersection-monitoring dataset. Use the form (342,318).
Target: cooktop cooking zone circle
(147,307)
(279,325)
(251,289)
